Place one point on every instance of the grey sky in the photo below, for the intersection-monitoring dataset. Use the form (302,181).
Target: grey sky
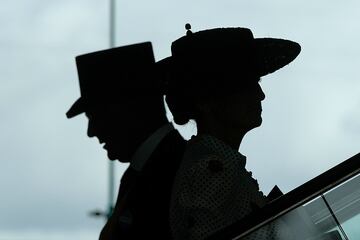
(52,174)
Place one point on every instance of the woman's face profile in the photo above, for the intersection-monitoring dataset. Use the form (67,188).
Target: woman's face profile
(240,111)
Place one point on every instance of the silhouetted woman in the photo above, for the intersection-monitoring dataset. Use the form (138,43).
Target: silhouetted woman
(215,81)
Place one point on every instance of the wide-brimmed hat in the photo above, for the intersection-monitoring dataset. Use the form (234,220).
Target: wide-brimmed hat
(112,75)
(232,55)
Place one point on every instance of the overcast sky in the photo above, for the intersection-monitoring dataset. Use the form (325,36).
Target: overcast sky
(52,174)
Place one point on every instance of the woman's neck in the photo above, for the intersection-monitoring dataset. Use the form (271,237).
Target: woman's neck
(231,137)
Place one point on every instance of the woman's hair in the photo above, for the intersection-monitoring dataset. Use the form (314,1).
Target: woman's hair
(179,98)
(181,108)
(189,89)
(185,92)
(155,107)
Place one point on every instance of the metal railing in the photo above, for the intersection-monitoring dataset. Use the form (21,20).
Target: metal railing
(292,200)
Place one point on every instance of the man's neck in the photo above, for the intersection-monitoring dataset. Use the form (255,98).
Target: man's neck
(144,151)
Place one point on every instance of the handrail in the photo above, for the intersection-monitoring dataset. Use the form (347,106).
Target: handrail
(291,200)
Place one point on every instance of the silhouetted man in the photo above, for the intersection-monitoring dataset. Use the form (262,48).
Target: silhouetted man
(122,96)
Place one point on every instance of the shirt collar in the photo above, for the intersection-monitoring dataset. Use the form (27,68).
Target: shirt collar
(220,148)
(143,153)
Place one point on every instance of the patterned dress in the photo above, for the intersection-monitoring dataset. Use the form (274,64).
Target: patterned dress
(212,190)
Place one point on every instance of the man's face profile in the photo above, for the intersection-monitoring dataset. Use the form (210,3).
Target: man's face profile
(110,124)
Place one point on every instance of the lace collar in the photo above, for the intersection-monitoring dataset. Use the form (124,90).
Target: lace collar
(218,147)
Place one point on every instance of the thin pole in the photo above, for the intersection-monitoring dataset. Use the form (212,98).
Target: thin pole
(335,218)
(112,23)
(111,189)
(111,163)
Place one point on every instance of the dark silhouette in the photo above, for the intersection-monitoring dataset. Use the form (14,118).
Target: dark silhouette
(122,96)
(215,80)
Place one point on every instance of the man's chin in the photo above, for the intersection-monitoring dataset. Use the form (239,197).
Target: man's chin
(114,157)
(111,157)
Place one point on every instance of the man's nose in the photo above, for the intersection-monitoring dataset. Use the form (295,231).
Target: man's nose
(91,129)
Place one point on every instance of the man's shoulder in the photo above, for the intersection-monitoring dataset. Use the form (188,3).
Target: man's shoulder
(171,146)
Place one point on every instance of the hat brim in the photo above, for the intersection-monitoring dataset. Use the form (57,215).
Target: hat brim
(271,55)
(77,108)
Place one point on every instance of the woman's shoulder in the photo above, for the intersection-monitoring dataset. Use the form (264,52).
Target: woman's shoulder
(204,164)
(206,149)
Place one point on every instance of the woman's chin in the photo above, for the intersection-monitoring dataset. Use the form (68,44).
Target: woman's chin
(255,123)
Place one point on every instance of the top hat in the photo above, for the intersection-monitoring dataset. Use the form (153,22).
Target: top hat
(111,76)
(225,57)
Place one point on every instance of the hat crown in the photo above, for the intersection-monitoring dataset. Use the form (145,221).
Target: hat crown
(115,71)
(114,74)
(216,40)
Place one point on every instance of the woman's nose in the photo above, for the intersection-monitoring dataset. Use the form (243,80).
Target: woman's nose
(262,94)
